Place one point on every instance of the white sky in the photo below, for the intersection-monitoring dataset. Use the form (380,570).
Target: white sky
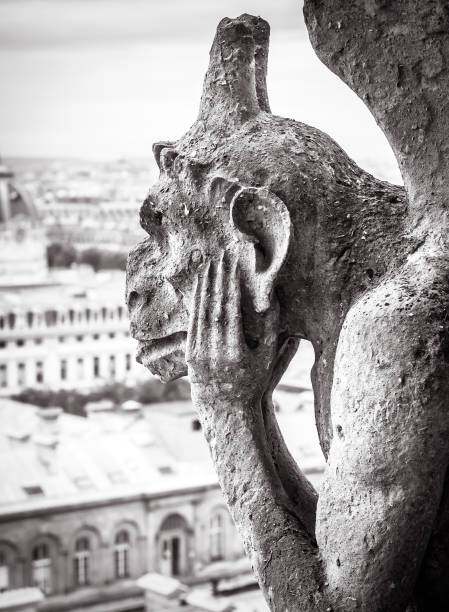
(106,78)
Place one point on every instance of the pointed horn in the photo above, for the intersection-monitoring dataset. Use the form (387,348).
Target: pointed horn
(234,88)
(261,35)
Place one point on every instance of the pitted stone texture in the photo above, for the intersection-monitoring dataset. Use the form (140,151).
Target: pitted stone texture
(273,210)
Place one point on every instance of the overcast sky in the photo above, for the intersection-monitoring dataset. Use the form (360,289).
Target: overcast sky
(106,78)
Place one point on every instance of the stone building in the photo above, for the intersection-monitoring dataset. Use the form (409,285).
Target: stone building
(88,505)
(59,329)
(86,222)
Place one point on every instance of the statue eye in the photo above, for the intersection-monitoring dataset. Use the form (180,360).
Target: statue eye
(150,216)
(168,159)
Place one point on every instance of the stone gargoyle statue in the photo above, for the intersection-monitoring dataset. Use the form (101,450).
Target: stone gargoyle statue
(263,232)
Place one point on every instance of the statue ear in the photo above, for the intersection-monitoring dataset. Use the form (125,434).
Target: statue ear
(261,218)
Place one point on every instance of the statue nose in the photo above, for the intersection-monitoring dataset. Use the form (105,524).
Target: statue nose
(138,300)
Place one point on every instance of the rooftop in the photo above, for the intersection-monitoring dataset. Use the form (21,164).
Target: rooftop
(90,460)
(64,289)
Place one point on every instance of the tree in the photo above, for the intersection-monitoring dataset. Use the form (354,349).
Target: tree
(276,235)
(60,255)
(92,257)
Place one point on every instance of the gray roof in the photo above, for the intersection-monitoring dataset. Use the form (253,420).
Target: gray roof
(96,458)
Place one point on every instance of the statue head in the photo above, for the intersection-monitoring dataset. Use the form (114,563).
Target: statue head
(272,192)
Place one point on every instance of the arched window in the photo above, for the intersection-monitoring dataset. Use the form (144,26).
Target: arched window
(121,554)
(42,570)
(81,562)
(217,536)
(4,572)
(173,546)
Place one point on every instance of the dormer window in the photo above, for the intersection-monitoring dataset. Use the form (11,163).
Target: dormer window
(33,490)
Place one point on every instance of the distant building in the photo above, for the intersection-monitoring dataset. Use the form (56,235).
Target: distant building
(22,239)
(92,222)
(69,331)
(87,505)
(58,330)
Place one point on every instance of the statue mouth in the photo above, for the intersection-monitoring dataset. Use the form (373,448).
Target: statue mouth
(164,357)
(160,348)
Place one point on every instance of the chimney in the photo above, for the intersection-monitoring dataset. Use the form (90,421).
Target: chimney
(100,413)
(47,437)
(130,411)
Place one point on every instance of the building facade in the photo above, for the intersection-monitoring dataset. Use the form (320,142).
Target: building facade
(88,505)
(88,222)
(71,332)
(61,329)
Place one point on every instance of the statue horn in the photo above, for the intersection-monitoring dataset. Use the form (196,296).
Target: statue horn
(235,84)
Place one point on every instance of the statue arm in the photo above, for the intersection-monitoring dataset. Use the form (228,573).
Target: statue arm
(229,391)
(388,459)
(380,495)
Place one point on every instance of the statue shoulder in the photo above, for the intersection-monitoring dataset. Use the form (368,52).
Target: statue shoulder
(393,349)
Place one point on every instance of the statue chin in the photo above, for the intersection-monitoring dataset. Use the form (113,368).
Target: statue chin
(168,368)
(164,358)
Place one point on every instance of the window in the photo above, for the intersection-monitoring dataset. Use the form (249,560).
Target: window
(20,342)
(96,336)
(217,536)
(128,362)
(79,338)
(80,368)
(81,562)
(51,317)
(11,320)
(2,344)
(61,339)
(63,369)
(3,376)
(165,470)
(33,490)
(121,554)
(38,341)
(4,572)
(39,372)
(41,567)
(30,318)
(111,334)
(112,366)
(96,367)
(21,374)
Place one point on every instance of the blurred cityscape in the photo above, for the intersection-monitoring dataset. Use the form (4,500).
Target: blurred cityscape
(108,498)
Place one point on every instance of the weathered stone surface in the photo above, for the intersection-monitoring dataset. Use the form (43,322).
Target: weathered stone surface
(261,232)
